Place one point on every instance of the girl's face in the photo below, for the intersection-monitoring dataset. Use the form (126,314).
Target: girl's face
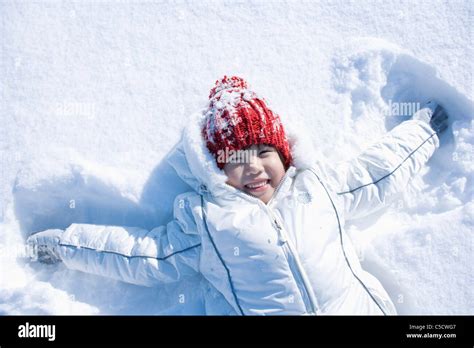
(257,172)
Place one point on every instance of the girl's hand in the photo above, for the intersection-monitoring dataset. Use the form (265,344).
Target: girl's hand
(45,246)
(434,115)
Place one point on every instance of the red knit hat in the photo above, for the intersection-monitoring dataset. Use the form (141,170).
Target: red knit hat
(237,118)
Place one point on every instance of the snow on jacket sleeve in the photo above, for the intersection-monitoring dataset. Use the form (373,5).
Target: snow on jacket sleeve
(369,181)
(134,255)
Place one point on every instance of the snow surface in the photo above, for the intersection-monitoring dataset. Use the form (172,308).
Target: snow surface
(94,96)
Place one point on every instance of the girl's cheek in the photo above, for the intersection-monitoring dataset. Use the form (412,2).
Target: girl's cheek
(234,176)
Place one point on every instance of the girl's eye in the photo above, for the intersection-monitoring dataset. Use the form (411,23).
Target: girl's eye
(264,151)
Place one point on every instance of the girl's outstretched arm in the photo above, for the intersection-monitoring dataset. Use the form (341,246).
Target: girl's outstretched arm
(133,255)
(366,183)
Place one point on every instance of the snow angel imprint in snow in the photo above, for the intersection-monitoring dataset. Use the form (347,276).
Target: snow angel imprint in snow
(263,223)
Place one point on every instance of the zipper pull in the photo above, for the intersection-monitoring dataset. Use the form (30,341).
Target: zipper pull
(281,237)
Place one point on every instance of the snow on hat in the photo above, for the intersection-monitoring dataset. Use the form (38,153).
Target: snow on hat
(237,118)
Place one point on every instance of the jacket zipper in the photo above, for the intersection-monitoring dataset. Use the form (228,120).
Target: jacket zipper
(283,239)
(307,294)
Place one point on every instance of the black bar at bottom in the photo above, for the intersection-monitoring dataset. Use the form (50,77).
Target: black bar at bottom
(139,330)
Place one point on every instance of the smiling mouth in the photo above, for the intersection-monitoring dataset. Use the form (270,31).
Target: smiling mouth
(258,186)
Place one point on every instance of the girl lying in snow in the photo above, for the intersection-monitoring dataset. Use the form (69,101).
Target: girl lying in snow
(264,224)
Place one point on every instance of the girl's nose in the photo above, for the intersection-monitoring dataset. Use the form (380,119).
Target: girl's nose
(254,165)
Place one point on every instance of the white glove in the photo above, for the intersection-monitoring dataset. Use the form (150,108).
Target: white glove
(434,115)
(46,245)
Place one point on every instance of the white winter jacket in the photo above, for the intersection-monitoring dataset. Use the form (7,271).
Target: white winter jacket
(290,256)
